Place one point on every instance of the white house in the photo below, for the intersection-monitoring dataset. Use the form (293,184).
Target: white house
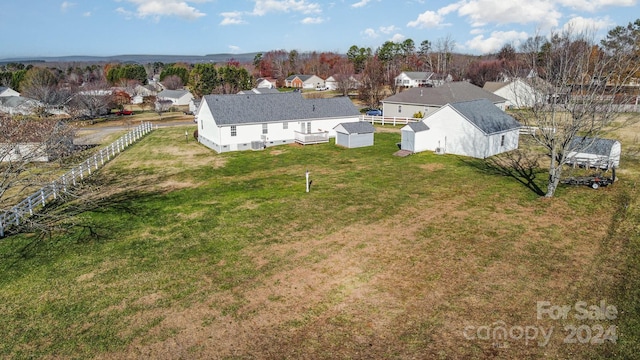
(6,91)
(429,99)
(18,105)
(333,82)
(519,93)
(253,122)
(266,83)
(474,128)
(594,152)
(303,81)
(177,97)
(420,79)
(354,134)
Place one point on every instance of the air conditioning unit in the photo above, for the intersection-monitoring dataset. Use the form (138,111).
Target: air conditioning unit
(440,150)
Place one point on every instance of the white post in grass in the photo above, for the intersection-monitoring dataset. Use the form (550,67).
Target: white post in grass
(307,177)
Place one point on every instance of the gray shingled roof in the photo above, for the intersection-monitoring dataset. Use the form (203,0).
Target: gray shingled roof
(486,116)
(443,94)
(596,146)
(172,94)
(245,109)
(418,126)
(361,127)
(301,77)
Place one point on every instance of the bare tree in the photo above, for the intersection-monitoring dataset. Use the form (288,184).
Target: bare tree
(93,99)
(173,82)
(577,94)
(344,76)
(24,144)
(443,51)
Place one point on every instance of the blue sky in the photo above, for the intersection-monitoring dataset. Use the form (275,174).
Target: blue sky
(200,27)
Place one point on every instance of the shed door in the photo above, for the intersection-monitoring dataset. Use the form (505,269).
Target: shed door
(408,141)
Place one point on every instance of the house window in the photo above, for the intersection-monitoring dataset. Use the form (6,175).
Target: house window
(502,140)
(399,109)
(265,130)
(309,128)
(285,125)
(234,130)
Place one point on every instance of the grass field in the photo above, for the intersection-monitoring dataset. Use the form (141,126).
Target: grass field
(192,254)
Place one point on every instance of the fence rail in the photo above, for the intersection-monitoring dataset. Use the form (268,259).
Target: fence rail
(50,192)
(388,120)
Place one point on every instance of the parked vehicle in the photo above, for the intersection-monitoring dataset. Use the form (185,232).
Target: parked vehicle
(374,112)
(124,112)
(322,88)
(594,181)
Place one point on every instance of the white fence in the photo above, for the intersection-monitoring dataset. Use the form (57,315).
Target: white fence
(50,192)
(388,120)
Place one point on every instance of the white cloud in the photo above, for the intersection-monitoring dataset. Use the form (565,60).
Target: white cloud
(398,38)
(431,19)
(232,18)
(360,3)
(482,12)
(370,33)
(427,19)
(388,29)
(594,5)
(312,20)
(87,14)
(495,42)
(66,6)
(126,13)
(160,8)
(264,7)
(579,24)
(234,49)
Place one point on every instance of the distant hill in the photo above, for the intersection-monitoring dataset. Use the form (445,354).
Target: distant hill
(140,59)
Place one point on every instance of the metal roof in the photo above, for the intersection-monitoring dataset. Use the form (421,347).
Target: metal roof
(291,106)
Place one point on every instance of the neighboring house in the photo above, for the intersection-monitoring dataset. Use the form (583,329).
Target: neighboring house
(37,142)
(259,91)
(595,152)
(474,128)
(354,134)
(250,122)
(303,81)
(332,84)
(194,104)
(428,100)
(519,93)
(410,79)
(18,105)
(519,74)
(6,91)
(266,83)
(177,97)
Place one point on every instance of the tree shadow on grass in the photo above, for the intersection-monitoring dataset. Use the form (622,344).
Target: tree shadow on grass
(517,164)
(66,219)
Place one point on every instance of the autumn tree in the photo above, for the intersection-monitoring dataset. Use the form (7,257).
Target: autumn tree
(577,93)
(371,89)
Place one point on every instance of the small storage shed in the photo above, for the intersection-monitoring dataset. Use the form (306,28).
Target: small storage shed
(594,152)
(354,134)
(411,135)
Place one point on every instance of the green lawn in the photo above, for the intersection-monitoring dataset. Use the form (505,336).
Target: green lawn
(190,254)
